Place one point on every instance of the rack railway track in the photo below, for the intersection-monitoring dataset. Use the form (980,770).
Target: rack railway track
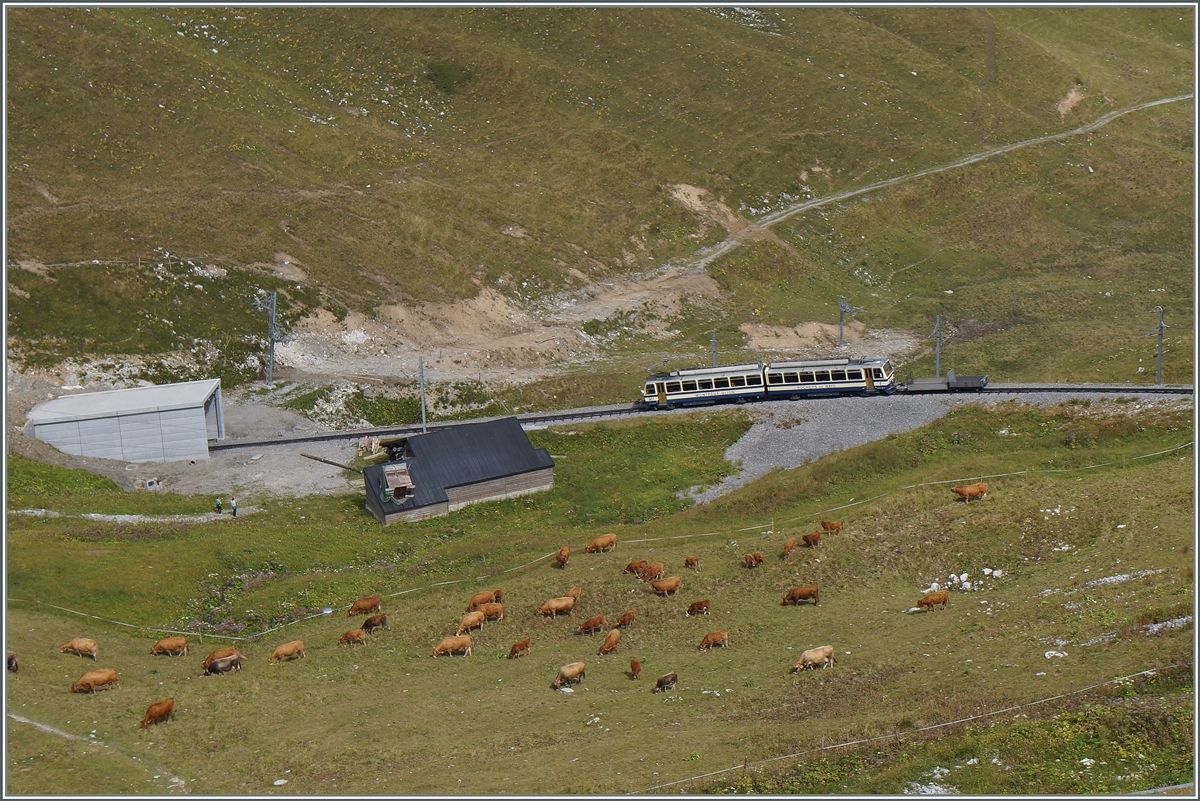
(540,419)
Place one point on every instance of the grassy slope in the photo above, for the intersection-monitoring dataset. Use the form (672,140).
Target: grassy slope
(375,719)
(570,124)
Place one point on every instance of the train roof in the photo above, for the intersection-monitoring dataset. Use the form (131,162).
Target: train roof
(718,370)
(826,362)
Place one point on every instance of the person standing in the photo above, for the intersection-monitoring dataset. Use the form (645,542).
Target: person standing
(218,506)
(233,505)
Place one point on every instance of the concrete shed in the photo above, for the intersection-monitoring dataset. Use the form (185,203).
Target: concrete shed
(164,423)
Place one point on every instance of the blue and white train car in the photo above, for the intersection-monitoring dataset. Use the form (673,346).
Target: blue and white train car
(737,383)
(803,379)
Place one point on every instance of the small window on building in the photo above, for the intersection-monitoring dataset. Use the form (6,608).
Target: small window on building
(721,383)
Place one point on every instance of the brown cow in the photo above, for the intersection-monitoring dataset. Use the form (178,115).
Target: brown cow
(933,599)
(751,561)
(667,586)
(353,636)
(635,567)
(969,492)
(697,608)
(812,540)
(651,572)
(797,594)
(470,620)
(822,655)
(788,546)
(635,668)
(89,681)
(451,644)
(81,646)
(484,597)
(610,642)
(574,592)
(758,558)
(714,638)
(593,624)
(555,605)
(519,647)
(287,650)
(364,605)
(379,621)
(492,611)
(625,619)
(226,664)
(666,682)
(171,646)
(158,711)
(221,653)
(693,562)
(563,556)
(830,526)
(606,542)
(569,674)
(11,663)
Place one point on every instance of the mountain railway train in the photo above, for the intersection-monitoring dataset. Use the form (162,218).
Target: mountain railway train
(789,380)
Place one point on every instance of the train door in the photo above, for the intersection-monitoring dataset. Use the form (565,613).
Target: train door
(662,394)
(870,379)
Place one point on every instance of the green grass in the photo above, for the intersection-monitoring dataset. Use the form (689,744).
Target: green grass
(374,719)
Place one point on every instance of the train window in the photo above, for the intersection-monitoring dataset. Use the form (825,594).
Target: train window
(877,373)
(689,386)
(806,378)
(838,375)
(887,366)
(854,375)
(649,389)
(754,380)
(737,380)
(673,386)
(721,383)
(772,378)
(705,383)
(822,375)
(791,378)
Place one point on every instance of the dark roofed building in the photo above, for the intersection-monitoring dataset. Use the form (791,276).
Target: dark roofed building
(438,472)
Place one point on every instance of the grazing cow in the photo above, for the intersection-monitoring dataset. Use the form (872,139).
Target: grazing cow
(364,605)
(693,562)
(697,608)
(451,644)
(569,674)
(635,668)
(519,648)
(171,646)
(969,492)
(815,656)
(666,682)
(563,556)
(812,540)
(933,599)
(376,622)
(485,597)
(751,562)
(607,542)
(555,605)
(625,619)
(12,662)
(797,594)
(353,636)
(221,653)
(492,611)
(635,567)
(667,586)
(788,546)
(830,526)
(81,646)
(593,624)
(758,558)
(714,638)
(470,620)
(652,572)
(574,592)
(610,642)
(159,710)
(89,681)
(287,650)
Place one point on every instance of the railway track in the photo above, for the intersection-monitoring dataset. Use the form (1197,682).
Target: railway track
(627,410)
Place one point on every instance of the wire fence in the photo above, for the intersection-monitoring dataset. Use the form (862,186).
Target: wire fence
(1013,708)
(765,527)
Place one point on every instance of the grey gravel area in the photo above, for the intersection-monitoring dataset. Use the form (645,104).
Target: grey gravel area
(788,434)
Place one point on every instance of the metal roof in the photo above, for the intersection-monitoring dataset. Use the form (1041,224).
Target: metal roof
(460,455)
(89,405)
